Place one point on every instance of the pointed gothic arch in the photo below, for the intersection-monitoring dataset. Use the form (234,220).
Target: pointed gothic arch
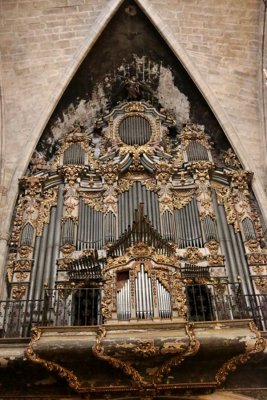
(181,55)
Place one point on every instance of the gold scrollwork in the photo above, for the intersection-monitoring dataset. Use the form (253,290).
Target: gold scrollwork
(72,173)
(22,265)
(25,251)
(215,259)
(194,132)
(18,292)
(134,106)
(99,352)
(190,350)
(107,301)
(146,349)
(257,258)
(261,284)
(67,249)
(110,173)
(94,200)
(230,159)
(193,254)
(202,170)
(32,185)
(182,197)
(164,171)
(21,276)
(231,365)
(212,246)
(64,373)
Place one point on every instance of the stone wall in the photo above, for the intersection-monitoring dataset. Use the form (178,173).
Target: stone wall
(44,41)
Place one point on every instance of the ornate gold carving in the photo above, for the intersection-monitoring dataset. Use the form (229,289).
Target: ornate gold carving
(22,265)
(146,349)
(25,251)
(202,170)
(128,180)
(259,269)
(140,250)
(215,259)
(257,258)
(190,350)
(107,301)
(182,197)
(231,365)
(99,352)
(94,200)
(18,292)
(63,263)
(194,132)
(240,180)
(230,159)
(64,373)
(193,255)
(67,250)
(213,246)
(49,200)
(10,266)
(72,173)
(261,284)
(109,172)
(32,185)
(253,245)
(134,106)
(163,171)
(178,295)
(21,276)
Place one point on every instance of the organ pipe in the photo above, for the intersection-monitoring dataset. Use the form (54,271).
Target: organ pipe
(90,227)
(195,151)
(130,200)
(188,228)
(27,235)
(40,264)
(223,238)
(49,247)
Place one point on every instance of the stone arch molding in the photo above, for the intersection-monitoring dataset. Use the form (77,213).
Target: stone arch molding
(181,55)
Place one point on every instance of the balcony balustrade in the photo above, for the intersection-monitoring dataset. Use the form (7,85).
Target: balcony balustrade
(82,307)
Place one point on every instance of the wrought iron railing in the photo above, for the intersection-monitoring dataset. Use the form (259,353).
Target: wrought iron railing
(82,307)
(222,302)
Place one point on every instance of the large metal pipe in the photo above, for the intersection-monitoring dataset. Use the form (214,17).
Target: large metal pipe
(49,247)
(34,267)
(242,265)
(222,238)
(40,266)
(228,242)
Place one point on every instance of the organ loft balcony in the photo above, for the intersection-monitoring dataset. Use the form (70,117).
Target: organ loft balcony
(136,321)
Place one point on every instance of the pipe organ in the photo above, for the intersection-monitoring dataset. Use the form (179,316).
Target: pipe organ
(148,204)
